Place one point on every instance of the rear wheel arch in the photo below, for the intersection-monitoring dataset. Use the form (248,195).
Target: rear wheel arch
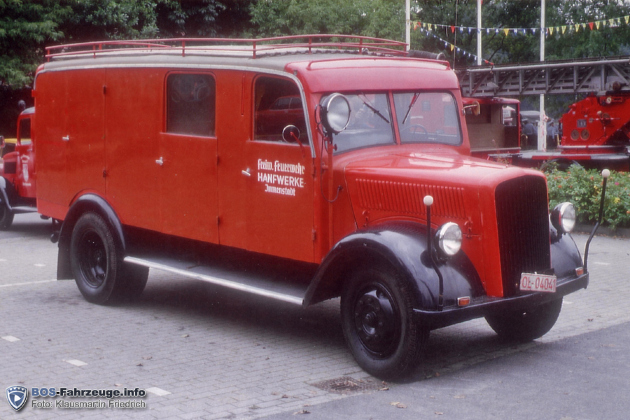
(84,204)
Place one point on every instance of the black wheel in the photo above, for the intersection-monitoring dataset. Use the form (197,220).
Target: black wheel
(526,325)
(378,324)
(100,273)
(6,217)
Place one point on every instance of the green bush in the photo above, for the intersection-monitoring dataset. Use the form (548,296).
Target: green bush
(583,188)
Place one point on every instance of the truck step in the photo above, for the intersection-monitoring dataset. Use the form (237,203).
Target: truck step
(261,284)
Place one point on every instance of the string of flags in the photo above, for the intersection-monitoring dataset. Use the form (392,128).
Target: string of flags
(550,30)
(454,47)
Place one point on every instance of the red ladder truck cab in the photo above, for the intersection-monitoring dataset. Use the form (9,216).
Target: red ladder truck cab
(298,169)
(17,174)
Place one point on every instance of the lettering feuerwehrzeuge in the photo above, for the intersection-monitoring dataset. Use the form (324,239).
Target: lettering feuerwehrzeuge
(281,178)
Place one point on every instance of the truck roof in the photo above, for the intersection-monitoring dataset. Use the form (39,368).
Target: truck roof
(326,66)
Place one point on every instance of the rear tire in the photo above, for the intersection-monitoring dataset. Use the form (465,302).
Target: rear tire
(526,325)
(6,217)
(97,263)
(379,326)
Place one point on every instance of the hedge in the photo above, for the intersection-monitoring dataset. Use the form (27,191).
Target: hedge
(583,188)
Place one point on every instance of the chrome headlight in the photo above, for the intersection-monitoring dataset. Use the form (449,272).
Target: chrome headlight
(335,113)
(449,239)
(563,217)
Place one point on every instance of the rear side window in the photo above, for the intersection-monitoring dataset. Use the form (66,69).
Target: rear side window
(190,105)
(278,104)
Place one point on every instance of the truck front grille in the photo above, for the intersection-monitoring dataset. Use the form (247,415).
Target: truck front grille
(523,227)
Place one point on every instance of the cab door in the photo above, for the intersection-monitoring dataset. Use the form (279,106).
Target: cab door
(188,157)
(266,183)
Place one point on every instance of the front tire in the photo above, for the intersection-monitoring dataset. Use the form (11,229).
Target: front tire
(6,217)
(526,325)
(97,263)
(378,324)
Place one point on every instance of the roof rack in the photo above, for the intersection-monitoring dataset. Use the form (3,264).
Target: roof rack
(229,46)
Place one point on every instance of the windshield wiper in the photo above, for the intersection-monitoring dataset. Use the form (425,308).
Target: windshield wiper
(413,101)
(376,111)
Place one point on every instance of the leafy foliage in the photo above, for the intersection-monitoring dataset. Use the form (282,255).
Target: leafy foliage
(583,188)
(378,18)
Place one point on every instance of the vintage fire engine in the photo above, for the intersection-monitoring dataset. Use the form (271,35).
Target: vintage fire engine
(299,169)
(17,174)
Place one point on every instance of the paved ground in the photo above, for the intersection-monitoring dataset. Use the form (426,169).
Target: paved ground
(203,352)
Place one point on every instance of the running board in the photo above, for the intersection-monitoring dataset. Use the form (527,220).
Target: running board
(257,284)
(23,209)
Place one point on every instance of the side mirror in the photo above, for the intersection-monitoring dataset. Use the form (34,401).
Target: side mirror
(335,113)
(291,134)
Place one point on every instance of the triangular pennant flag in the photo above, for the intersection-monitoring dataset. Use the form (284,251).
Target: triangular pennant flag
(461,29)
(506,31)
(577,27)
(452,46)
(487,30)
(627,18)
(590,25)
(551,31)
(415,26)
(452,29)
(515,30)
(534,30)
(611,22)
(564,28)
(584,26)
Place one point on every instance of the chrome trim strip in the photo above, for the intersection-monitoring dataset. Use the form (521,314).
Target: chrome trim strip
(218,281)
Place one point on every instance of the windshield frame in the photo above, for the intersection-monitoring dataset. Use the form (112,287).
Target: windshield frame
(395,113)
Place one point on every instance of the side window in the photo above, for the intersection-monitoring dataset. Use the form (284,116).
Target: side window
(190,104)
(278,104)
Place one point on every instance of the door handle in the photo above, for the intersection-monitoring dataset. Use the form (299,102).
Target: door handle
(65,138)
(160,161)
(246,172)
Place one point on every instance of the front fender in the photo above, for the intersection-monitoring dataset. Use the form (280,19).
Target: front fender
(403,247)
(7,193)
(565,255)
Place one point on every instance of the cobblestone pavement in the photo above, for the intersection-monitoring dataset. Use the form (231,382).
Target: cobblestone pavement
(203,352)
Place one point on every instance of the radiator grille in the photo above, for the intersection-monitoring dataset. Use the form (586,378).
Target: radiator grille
(523,226)
(406,198)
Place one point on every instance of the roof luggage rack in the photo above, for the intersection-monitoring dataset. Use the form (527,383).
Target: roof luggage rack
(228,46)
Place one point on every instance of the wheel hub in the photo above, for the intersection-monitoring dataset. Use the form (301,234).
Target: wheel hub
(376,321)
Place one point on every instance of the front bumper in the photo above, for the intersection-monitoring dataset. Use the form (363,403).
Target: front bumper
(484,306)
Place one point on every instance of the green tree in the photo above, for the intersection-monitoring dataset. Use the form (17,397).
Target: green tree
(378,18)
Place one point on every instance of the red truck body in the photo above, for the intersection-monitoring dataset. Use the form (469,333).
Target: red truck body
(171,156)
(17,174)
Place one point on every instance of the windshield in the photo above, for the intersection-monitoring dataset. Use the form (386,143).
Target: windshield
(422,117)
(370,122)
(427,117)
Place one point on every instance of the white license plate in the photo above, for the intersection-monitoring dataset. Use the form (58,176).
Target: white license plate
(538,282)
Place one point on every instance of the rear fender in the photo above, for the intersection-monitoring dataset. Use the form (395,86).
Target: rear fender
(402,247)
(85,203)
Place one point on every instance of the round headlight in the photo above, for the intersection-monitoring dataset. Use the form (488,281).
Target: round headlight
(563,217)
(335,113)
(449,238)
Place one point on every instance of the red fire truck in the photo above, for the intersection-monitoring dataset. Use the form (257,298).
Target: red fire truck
(17,174)
(595,133)
(176,155)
